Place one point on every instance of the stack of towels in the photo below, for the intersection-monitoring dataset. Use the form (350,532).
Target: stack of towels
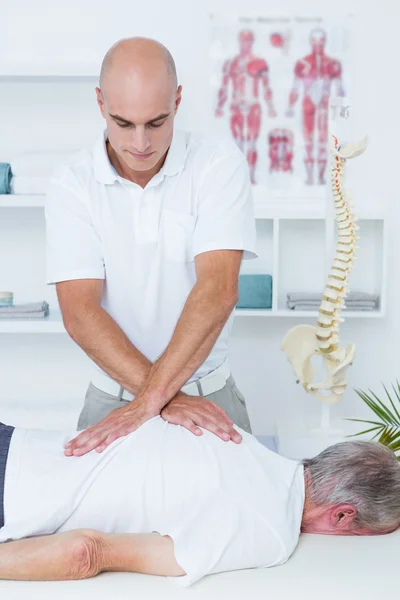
(255,291)
(32,310)
(29,173)
(5,178)
(312,301)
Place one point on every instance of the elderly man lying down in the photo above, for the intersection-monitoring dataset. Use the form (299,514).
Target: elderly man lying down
(165,502)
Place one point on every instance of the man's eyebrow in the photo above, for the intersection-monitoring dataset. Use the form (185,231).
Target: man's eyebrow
(159,118)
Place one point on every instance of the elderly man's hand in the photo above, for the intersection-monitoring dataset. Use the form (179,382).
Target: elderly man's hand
(118,423)
(193,412)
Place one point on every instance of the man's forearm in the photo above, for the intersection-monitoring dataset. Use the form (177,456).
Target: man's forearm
(96,332)
(55,557)
(83,553)
(148,553)
(202,320)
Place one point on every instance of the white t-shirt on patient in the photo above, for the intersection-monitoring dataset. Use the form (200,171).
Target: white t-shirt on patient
(226,506)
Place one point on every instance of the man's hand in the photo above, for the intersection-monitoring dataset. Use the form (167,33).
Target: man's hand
(118,423)
(193,412)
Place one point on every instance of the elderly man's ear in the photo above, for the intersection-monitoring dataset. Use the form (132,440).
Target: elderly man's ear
(342,518)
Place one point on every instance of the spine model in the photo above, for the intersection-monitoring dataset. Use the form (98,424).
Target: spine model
(336,288)
(303,342)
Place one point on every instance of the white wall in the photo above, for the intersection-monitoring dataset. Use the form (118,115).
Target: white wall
(51,368)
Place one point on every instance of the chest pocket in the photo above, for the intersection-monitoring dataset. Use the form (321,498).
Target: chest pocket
(177,236)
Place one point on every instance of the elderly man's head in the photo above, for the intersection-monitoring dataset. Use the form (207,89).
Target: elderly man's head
(352,488)
(138,97)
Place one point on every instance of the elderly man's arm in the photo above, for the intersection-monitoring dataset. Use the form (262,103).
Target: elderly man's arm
(83,553)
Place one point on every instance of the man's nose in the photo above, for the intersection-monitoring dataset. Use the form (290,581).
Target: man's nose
(141,139)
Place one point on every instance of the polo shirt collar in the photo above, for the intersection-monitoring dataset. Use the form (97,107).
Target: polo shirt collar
(176,156)
(104,172)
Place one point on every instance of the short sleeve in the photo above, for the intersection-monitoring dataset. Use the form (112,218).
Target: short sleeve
(73,248)
(221,535)
(225,212)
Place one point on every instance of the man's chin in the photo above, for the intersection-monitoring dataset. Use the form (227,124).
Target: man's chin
(137,164)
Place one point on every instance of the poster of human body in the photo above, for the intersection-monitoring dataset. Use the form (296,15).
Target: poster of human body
(271,84)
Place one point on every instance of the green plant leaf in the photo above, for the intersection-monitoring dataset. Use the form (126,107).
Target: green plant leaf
(388,430)
(373,406)
(385,436)
(390,415)
(397,393)
(390,437)
(364,421)
(366,431)
(392,403)
(376,408)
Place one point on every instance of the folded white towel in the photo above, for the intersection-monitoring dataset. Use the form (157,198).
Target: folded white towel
(39,164)
(315,308)
(28,307)
(26,315)
(29,185)
(349,304)
(314,297)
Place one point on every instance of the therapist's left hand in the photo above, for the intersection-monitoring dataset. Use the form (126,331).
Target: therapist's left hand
(118,423)
(193,412)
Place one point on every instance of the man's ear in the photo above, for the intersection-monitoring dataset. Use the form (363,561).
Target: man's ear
(178,98)
(343,516)
(100,100)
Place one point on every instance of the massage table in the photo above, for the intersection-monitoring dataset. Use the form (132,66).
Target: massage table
(321,568)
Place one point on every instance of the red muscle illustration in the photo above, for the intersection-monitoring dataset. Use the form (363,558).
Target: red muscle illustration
(248,76)
(316,73)
(280,143)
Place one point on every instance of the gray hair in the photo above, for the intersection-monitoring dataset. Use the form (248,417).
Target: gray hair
(363,474)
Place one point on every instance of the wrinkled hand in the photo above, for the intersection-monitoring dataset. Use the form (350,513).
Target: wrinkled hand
(193,412)
(118,423)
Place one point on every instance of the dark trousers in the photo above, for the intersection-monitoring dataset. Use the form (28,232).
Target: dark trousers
(6,432)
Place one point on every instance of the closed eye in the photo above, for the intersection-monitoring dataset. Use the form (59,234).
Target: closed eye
(151,125)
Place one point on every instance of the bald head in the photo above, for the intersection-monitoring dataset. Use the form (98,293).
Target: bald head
(136,56)
(138,96)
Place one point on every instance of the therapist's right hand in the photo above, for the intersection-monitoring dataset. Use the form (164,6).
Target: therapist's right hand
(118,423)
(193,412)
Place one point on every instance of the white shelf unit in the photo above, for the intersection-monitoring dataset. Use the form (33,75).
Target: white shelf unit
(47,73)
(288,234)
(264,207)
(22,201)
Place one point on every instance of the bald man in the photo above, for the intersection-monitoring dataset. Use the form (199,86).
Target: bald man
(146,232)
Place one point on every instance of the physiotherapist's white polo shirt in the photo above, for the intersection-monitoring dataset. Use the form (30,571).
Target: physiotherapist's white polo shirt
(143,242)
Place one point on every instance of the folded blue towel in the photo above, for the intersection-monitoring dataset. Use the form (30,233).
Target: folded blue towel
(5,178)
(255,291)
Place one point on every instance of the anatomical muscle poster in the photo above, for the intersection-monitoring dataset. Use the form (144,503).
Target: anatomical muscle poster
(271,82)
